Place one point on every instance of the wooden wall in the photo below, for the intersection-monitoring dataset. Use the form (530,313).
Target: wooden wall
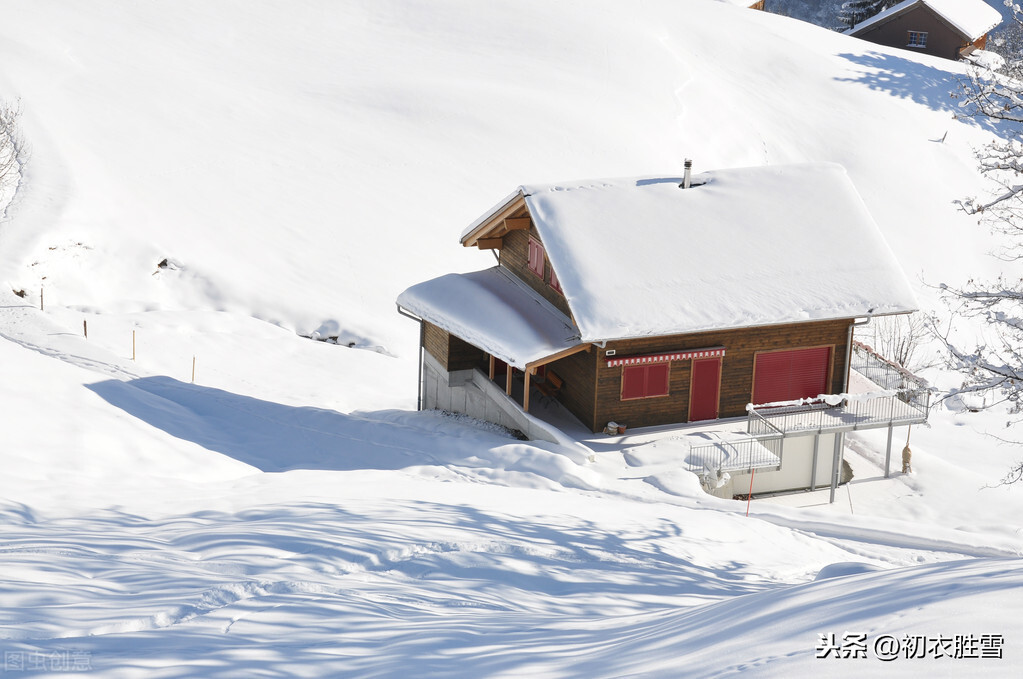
(592,391)
(451,352)
(741,347)
(515,256)
(578,392)
(942,40)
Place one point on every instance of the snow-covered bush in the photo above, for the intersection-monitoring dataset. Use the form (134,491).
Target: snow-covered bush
(13,153)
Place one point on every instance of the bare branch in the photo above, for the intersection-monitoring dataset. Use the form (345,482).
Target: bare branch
(13,153)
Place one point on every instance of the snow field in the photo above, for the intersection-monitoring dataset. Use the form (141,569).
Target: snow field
(289,514)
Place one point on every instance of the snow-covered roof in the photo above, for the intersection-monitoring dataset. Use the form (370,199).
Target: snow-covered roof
(493,310)
(642,257)
(972,18)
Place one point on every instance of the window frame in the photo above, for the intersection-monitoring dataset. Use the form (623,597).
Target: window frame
(645,369)
(916,39)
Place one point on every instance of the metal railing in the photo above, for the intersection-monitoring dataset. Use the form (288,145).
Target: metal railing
(734,455)
(883,372)
(862,411)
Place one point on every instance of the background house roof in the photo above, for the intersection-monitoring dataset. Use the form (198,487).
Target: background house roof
(972,18)
(740,248)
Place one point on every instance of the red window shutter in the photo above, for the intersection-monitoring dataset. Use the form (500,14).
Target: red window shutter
(791,375)
(555,283)
(657,379)
(536,257)
(633,382)
(644,381)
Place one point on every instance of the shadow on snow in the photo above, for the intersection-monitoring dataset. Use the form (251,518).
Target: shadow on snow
(927,85)
(275,438)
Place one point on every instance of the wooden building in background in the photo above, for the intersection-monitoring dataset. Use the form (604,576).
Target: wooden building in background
(951,29)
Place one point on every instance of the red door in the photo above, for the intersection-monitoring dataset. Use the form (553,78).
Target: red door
(704,388)
(791,375)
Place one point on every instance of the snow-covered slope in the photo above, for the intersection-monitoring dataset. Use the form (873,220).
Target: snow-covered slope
(298,165)
(346,140)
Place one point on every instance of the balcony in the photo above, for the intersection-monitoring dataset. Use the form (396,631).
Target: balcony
(888,395)
(711,453)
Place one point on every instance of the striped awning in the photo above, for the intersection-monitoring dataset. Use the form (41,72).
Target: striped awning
(711,352)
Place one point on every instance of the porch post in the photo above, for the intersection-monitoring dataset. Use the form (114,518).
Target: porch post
(507,379)
(421,395)
(525,392)
(492,366)
(888,455)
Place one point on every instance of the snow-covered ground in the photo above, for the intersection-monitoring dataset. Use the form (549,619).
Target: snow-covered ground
(286,512)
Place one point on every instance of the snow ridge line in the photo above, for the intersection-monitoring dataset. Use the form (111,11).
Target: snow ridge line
(839,535)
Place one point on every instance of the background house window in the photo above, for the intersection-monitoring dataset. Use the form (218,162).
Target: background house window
(536,257)
(555,283)
(644,381)
(917,39)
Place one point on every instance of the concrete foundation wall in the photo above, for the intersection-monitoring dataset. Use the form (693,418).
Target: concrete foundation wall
(472,393)
(796,467)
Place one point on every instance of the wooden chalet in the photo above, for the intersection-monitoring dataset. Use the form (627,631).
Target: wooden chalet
(751,4)
(952,29)
(657,300)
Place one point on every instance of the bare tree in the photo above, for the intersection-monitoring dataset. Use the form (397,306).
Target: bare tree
(995,364)
(855,11)
(13,153)
(900,339)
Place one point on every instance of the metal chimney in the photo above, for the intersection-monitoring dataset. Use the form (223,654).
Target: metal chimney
(687,176)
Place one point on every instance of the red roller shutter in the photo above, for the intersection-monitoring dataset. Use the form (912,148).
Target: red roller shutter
(790,375)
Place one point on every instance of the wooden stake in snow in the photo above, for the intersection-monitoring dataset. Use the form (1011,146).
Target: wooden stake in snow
(133,345)
(41,298)
(193,370)
(85,328)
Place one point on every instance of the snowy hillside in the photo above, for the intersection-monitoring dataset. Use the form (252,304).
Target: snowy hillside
(297,165)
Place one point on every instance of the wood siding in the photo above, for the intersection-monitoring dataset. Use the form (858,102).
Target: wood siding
(741,347)
(451,352)
(942,39)
(515,257)
(578,393)
(592,391)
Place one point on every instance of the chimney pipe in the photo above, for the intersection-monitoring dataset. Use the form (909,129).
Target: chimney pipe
(687,176)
